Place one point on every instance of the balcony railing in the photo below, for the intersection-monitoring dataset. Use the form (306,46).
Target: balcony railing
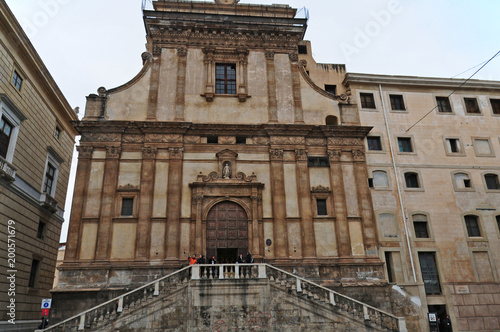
(7,171)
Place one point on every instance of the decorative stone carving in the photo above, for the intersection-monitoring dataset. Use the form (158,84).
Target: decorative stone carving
(344,141)
(276,154)
(302,69)
(269,55)
(261,140)
(146,56)
(320,189)
(160,138)
(227,140)
(315,141)
(128,187)
(7,171)
(288,140)
(211,176)
(100,137)
(293,56)
(334,155)
(113,151)
(132,138)
(182,51)
(176,153)
(301,154)
(102,91)
(148,152)
(242,176)
(358,155)
(215,176)
(192,139)
(84,151)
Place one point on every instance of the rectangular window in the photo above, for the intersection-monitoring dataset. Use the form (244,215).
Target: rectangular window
(318,162)
(17,81)
(405,144)
(241,140)
(127,206)
(421,230)
(482,147)
(471,106)
(57,132)
(41,230)
(472,225)
(367,100)
(411,180)
(5,134)
(397,103)
(49,179)
(302,49)
(374,143)
(430,274)
(388,264)
(453,145)
(443,104)
(498,222)
(212,139)
(495,106)
(225,78)
(33,273)
(492,182)
(321,207)
(330,88)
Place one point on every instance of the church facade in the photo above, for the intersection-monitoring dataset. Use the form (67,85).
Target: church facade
(232,139)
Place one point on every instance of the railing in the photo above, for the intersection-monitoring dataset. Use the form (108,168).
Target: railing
(110,310)
(7,170)
(355,308)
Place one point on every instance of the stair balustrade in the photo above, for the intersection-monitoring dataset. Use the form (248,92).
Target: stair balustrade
(108,311)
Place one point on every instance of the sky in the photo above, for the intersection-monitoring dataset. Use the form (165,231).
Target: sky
(87,44)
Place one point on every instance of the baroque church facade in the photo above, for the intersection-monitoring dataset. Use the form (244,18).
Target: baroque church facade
(231,139)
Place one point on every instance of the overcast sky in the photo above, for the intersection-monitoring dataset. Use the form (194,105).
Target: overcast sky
(86,44)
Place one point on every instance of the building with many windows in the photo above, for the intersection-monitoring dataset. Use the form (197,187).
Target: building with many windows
(233,139)
(36,146)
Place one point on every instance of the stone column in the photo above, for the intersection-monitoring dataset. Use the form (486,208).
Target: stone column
(255,226)
(365,203)
(198,233)
(174,203)
(271,87)
(79,198)
(145,202)
(111,168)
(181,83)
(209,67)
(297,95)
(304,193)
(153,86)
(279,201)
(341,224)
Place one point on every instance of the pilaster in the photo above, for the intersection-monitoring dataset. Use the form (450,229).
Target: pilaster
(271,87)
(279,201)
(181,83)
(297,95)
(304,193)
(174,203)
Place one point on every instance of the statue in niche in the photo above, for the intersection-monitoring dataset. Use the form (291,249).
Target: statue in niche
(226,171)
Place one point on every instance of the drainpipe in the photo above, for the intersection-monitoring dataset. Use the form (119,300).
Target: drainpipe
(398,184)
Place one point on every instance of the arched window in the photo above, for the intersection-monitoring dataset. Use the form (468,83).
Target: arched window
(380,179)
(462,180)
(332,120)
(420,225)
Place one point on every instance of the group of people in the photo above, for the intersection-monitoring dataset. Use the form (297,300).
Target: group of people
(201,260)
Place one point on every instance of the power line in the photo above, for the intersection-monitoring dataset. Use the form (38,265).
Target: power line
(461,85)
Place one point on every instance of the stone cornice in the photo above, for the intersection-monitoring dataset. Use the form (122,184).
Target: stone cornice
(419,81)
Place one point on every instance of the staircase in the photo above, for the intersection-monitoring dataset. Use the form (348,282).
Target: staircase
(103,316)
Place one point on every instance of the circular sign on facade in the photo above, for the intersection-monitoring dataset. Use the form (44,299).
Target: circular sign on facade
(269,242)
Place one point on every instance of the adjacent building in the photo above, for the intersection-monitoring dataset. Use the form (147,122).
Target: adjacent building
(233,139)
(36,147)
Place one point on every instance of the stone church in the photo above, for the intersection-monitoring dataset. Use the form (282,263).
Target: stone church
(232,139)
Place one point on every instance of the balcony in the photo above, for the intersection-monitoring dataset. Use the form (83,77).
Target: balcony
(7,171)
(48,202)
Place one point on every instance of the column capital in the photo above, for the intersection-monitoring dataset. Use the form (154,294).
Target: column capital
(148,152)
(269,55)
(176,153)
(113,151)
(300,155)
(276,154)
(293,56)
(358,155)
(334,154)
(85,152)
(182,51)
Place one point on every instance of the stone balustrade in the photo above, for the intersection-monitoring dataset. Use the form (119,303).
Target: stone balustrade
(7,171)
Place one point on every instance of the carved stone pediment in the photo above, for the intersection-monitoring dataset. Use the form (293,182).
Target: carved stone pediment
(320,189)
(214,177)
(128,187)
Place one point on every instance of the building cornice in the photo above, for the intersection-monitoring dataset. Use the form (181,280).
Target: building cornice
(419,81)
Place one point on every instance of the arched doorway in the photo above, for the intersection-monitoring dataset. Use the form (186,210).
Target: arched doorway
(227,232)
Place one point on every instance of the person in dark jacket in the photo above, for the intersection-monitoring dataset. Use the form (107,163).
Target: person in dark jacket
(213,262)
(446,324)
(249,260)
(201,260)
